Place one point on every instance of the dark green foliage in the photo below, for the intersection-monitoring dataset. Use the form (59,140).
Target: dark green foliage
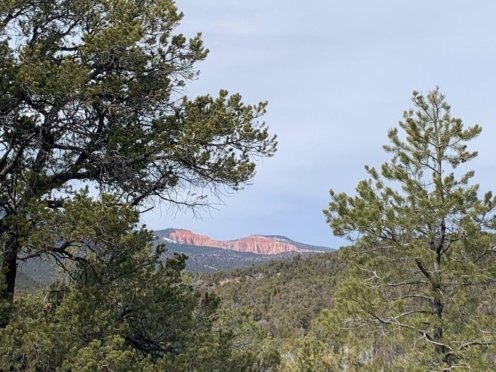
(91,96)
(90,93)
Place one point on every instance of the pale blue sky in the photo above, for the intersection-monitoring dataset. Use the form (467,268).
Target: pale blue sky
(337,75)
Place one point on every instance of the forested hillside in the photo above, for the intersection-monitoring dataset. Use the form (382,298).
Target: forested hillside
(283,296)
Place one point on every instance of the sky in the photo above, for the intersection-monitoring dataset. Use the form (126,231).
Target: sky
(337,75)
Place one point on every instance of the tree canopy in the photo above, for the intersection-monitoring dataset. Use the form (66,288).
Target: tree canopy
(92,93)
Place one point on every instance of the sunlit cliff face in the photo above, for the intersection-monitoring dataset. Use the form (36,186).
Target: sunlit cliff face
(253,244)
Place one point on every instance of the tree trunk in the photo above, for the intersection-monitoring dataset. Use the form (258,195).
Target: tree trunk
(438,303)
(437,334)
(9,270)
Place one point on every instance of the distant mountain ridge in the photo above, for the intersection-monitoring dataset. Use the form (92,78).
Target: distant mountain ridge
(258,244)
(204,254)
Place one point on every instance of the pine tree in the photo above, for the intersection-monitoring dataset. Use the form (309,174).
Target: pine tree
(424,261)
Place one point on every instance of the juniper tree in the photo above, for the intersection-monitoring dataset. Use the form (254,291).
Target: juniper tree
(91,92)
(424,260)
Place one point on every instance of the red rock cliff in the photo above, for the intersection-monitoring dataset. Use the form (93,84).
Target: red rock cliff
(253,244)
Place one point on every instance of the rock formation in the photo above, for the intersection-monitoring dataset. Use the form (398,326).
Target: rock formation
(253,244)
